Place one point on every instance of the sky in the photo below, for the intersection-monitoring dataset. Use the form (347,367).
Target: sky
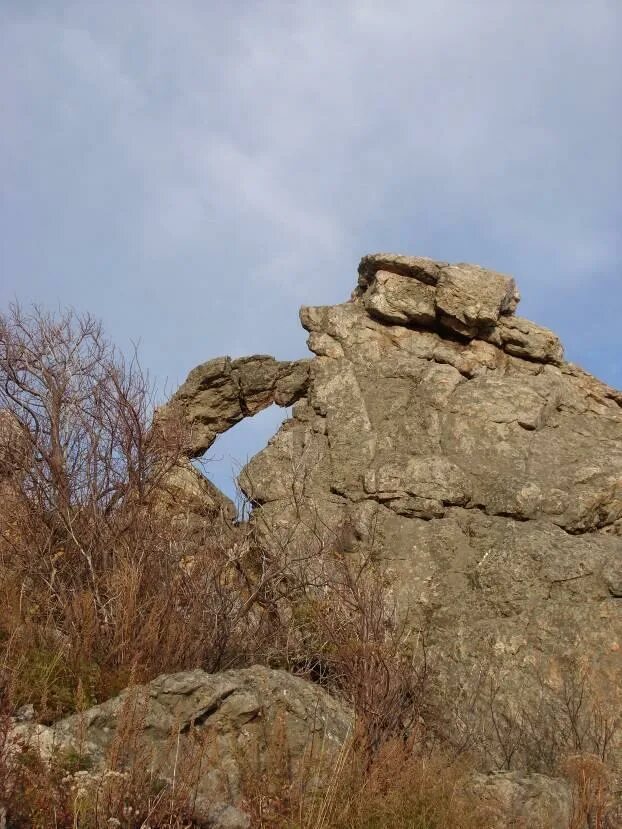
(192,172)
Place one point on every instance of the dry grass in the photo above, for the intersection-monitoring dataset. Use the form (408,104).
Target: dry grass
(400,787)
(62,791)
(91,587)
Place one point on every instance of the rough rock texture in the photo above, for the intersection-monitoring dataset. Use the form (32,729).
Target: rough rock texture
(216,728)
(529,800)
(220,393)
(237,721)
(470,299)
(188,494)
(452,437)
(395,298)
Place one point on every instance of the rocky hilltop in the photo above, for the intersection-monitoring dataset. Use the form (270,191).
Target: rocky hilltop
(434,546)
(449,437)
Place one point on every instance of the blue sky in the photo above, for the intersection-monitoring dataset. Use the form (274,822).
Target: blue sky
(194,171)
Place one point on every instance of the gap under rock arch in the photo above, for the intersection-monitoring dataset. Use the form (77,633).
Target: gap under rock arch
(235,447)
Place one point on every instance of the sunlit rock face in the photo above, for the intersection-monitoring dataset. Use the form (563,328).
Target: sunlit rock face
(452,439)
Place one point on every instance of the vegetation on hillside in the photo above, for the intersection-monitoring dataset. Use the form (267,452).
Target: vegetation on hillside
(106,581)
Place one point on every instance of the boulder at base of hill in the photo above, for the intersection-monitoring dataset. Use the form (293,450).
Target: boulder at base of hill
(211,731)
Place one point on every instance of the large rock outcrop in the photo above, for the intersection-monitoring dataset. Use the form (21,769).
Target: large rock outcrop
(453,439)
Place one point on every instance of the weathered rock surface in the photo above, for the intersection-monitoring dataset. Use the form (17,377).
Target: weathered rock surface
(529,800)
(514,799)
(470,299)
(220,393)
(397,299)
(483,470)
(214,728)
(186,493)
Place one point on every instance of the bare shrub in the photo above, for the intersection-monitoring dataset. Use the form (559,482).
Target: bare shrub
(332,617)
(101,584)
(355,643)
(91,587)
(568,717)
(591,786)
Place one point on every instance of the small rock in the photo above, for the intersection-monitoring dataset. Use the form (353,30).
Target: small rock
(25,714)
(415,267)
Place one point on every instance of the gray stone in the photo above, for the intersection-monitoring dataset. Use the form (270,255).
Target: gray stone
(25,713)
(529,800)
(235,717)
(227,817)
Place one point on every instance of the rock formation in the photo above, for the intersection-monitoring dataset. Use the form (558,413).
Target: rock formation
(211,728)
(455,442)
(186,493)
(215,731)
(220,393)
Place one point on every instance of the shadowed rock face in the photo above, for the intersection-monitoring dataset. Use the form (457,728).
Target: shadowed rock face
(453,438)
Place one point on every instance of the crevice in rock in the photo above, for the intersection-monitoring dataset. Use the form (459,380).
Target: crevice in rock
(427,313)
(517,517)
(578,531)
(554,582)
(201,716)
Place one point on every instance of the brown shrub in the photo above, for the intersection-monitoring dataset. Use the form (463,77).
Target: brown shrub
(91,587)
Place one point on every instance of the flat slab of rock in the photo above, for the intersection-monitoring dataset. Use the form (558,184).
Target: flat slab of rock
(399,299)
(416,267)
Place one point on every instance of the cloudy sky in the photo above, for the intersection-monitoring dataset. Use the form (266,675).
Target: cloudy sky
(194,171)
